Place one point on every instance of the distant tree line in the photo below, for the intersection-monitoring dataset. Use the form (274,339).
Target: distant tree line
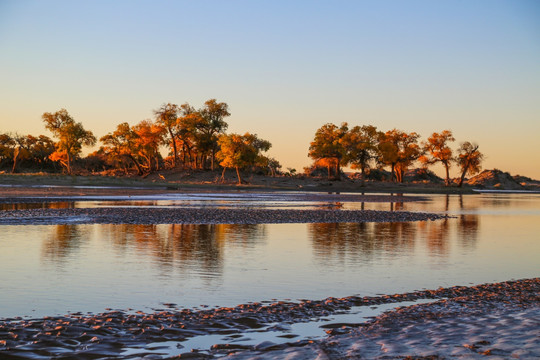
(195,138)
(365,147)
(26,150)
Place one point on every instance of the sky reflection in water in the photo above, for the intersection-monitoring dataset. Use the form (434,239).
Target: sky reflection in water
(55,269)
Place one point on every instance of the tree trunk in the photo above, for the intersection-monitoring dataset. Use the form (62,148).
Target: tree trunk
(362,174)
(223,175)
(139,168)
(398,175)
(239,177)
(447,181)
(69,163)
(465,168)
(462,177)
(15,158)
(213,158)
(175,160)
(393,172)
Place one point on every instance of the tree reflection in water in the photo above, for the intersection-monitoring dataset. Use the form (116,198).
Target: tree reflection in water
(351,242)
(468,227)
(198,248)
(38,205)
(436,235)
(62,242)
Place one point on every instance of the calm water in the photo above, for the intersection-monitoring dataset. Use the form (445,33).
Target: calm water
(56,269)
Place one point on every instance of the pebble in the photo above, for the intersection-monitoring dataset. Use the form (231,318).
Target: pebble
(144,216)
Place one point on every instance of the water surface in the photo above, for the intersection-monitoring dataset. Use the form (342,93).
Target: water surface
(56,269)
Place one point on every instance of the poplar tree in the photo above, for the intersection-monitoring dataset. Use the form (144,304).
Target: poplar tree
(328,147)
(71,137)
(437,150)
(469,160)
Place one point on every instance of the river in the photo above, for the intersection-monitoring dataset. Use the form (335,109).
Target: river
(57,269)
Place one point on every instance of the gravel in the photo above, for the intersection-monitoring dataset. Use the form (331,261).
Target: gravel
(118,215)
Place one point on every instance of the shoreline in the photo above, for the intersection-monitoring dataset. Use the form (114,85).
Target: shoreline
(205,182)
(463,322)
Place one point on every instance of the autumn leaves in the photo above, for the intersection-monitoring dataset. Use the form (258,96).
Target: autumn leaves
(363,147)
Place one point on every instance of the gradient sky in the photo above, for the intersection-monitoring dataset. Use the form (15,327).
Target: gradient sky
(284,67)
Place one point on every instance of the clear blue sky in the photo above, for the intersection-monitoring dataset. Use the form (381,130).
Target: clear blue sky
(284,67)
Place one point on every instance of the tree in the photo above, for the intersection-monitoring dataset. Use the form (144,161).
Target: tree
(187,134)
(328,147)
(212,115)
(7,148)
(399,150)
(71,137)
(360,145)
(273,165)
(437,150)
(149,137)
(21,150)
(30,149)
(192,133)
(40,149)
(240,151)
(388,154)
(167,116)
(469,160)
(121,145)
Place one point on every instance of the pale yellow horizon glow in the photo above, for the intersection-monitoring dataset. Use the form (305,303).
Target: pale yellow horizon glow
(284,68)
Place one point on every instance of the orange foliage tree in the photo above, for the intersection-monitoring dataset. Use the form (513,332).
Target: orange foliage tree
(328,147)
(436,149)
(360,144)
(240,152)
(399,150)
(121,147)
(469,160)
(167,117)
(149,137)
(71,137)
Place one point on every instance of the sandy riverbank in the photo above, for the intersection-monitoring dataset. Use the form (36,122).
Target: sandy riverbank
(208,181)
(500,319)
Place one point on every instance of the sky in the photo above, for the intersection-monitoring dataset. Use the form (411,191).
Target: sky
(285,68)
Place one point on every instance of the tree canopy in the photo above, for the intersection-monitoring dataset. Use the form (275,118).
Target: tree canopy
(197,140)
(469,160)
(399,150)
(436,149)
(360,145)
(70,134)
(241,151)
(328,147)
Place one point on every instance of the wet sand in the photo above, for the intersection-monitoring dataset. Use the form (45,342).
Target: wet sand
(500,319)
